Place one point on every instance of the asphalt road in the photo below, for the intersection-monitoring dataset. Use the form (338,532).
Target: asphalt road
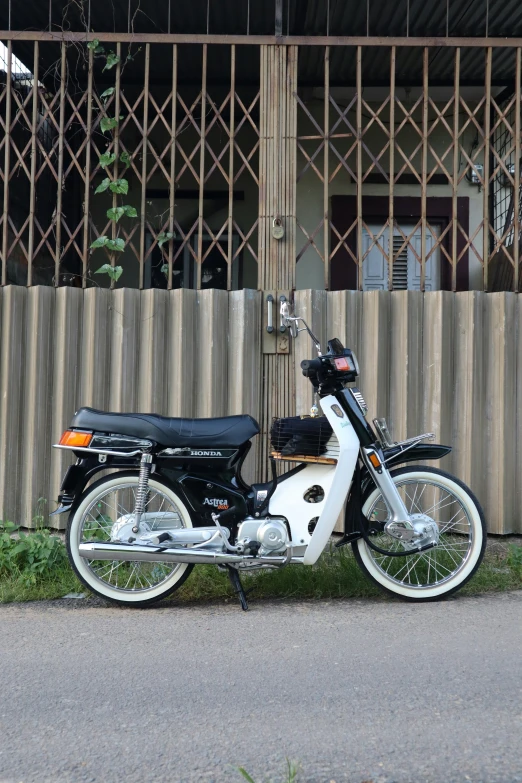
(355,691)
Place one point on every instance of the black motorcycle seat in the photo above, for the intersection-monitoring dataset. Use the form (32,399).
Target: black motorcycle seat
(225,432)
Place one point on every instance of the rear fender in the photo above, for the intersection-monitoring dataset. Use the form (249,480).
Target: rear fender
(78,476)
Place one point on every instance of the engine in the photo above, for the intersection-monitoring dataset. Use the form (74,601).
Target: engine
(263,536)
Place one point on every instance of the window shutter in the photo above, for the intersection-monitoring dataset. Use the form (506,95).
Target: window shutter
(400,264)
(375,266)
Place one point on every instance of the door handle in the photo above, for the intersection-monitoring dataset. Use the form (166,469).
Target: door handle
(270,313)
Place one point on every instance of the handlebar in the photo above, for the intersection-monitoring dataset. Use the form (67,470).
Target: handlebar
(311,367)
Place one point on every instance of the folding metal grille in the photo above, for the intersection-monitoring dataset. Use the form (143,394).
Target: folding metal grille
(212,163)
(193,153)
(464,142)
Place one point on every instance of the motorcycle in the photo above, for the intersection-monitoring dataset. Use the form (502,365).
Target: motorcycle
(174,496)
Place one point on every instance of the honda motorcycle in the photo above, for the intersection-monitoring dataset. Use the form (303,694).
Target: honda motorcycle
(174,496)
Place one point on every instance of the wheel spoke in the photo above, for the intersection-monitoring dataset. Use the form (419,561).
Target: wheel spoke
(421,570)
(98,520)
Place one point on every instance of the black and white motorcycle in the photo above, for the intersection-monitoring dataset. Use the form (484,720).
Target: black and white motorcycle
(174,496)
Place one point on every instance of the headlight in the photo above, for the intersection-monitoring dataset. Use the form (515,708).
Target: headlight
(355,362)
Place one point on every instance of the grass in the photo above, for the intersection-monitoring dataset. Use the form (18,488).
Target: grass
(336,575)
(292,770)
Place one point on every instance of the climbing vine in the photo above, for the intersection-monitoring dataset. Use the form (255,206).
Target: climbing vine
(119,186)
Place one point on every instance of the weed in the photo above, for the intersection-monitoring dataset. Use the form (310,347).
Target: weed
(514,557)
(29,556)
(291,773)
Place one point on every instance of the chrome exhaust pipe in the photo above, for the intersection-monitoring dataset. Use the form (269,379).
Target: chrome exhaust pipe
(147,554)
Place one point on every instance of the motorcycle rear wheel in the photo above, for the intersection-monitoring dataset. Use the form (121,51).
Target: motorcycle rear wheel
(132,583)
(435,573)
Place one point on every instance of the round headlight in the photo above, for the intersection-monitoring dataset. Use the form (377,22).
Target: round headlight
(355,362)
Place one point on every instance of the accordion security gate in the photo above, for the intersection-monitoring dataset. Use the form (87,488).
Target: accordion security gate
(225,134)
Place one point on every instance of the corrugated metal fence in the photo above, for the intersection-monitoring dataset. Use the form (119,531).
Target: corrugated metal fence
(449,363)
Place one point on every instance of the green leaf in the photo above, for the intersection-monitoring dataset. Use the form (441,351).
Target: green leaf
(130,211)
(115,213)
(104,184)
(114,272)
(119,186)
(165,236)
(99,50)
(112,60)
(108,123)
(125,158)
(100,242)
(246,775)
(117,245)
(107,93)
(92,45)
(21,547)
(165,269)
(107,159)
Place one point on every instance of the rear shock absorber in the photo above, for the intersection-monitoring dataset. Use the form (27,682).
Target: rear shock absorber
(143,490)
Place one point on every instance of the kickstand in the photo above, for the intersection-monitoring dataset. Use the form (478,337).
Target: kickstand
(238,587)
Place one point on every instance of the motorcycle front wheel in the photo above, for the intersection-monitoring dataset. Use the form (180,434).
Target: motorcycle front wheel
(110,502)
(435,573)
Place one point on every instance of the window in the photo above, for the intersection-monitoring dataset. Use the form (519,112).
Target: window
(406,259)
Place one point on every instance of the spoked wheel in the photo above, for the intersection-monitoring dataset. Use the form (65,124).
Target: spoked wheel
(108,505)
(434,573)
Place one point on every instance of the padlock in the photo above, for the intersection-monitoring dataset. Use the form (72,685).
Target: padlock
(278,231)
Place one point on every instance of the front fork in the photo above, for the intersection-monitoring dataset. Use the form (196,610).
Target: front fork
(399,525)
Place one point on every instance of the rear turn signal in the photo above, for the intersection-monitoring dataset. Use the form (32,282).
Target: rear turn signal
(76,439)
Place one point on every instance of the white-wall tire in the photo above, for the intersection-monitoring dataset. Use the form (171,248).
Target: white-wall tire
(137,598)
(368,559)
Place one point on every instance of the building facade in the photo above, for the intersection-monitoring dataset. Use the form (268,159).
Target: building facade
(385,142)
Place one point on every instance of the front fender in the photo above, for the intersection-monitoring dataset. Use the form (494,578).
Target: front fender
(394,456)
(422,451)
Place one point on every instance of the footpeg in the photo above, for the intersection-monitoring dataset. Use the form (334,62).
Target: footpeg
(238,587)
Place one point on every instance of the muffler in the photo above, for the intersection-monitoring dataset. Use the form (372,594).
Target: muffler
(95,550)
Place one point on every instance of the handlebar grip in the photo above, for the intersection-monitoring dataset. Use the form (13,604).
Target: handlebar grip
(310,367)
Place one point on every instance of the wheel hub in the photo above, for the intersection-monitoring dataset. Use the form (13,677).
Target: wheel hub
(424,532)
(122,530)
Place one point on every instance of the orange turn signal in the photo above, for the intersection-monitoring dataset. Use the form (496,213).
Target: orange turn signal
(76,439)
(374,459)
